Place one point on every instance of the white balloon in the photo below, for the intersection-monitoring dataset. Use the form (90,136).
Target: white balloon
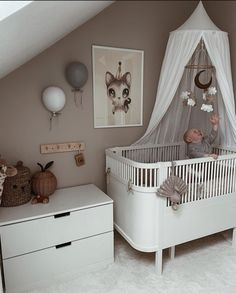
(54,99)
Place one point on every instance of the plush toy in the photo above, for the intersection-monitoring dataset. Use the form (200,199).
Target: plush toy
(40,199)
(5,171)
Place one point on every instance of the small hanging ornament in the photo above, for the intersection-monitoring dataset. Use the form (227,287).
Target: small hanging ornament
(208,96)
(207,108)
(185,95)
(79,159)
(199,84)
(188,98)
(191,102)
(212,91)
(204,96)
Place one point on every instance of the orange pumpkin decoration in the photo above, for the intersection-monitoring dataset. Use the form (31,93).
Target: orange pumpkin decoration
(44,182)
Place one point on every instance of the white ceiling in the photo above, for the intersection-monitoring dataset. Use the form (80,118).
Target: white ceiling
(26,29)
(9,7)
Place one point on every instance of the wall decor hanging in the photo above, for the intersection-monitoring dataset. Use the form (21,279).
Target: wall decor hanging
(117,87)
(76,75)
(54,100)
(66,147)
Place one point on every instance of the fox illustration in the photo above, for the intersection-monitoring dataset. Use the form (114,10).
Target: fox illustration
(118,90)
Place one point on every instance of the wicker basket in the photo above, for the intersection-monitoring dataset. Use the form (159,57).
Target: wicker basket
(17,189)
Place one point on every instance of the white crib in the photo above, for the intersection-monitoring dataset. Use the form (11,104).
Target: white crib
(146,220)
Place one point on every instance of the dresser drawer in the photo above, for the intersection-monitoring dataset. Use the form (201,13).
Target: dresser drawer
(49,265)
(45,232)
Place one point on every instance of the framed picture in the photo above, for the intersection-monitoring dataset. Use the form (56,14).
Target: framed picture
(117,87)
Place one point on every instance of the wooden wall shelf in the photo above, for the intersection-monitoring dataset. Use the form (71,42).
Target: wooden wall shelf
(62,147)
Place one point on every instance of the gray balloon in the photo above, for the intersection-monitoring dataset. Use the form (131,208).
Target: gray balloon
(76,74)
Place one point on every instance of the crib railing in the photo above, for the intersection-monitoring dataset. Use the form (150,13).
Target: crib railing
(133,173)
(204,177)
(223,150)
(154,153)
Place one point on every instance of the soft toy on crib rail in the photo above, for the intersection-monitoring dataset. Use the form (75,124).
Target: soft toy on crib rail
(173,187)
(5,171)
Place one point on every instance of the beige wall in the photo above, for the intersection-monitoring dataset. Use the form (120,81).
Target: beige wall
(24,122)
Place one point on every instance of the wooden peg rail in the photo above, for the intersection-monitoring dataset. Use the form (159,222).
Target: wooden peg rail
(62,147)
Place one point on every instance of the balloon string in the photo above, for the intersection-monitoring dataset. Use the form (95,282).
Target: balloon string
(76,97)
(81,98)
(50,128)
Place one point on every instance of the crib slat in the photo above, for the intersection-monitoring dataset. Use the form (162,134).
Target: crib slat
(220,178)
(196,182)
(223,176)
(186,181)
(234,174)
(228,187)
(212,177)
(155,178)
(205,178)
(217,178)
(189,183)
(208,178)
(232,177)
(192,182)
(150,177)
(146,179)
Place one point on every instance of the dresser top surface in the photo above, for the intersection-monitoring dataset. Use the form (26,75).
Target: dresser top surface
(63,200)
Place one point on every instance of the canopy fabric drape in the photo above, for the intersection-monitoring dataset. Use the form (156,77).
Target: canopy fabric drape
(218,49)
(168,120)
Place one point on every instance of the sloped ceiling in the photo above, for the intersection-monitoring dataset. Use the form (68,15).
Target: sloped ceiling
(36,25)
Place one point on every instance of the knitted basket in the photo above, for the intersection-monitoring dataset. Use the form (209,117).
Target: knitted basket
(17,189)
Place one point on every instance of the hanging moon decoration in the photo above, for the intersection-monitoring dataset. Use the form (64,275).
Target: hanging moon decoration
(76,74)
(199,84)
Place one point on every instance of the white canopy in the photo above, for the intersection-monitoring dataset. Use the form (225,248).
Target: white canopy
(169,120)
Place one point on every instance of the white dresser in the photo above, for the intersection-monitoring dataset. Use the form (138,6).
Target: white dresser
(44,243)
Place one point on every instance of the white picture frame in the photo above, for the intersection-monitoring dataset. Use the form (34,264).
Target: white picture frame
(117,87)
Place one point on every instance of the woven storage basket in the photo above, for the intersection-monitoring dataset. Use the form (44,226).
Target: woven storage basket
(17,189)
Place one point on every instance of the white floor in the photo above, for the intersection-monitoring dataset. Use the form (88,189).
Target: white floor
(207,265)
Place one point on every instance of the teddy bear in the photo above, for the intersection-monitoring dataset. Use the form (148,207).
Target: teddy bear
(5,171)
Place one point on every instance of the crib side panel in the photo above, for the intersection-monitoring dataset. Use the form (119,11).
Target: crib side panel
(198,219)
(137,208)
(209,204)
(135,216)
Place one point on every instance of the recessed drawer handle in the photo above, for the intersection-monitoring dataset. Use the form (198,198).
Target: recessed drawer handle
(61,215)
(63,245)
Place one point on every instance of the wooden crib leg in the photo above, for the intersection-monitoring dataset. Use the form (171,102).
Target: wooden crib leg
(172,252)
(158,262)
(234,237)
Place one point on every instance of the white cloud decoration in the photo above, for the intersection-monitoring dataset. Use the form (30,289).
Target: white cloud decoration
(185,95)
(212,90)
(207,108)
(191,102)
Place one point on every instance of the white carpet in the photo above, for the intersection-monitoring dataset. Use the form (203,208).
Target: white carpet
(206,265)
